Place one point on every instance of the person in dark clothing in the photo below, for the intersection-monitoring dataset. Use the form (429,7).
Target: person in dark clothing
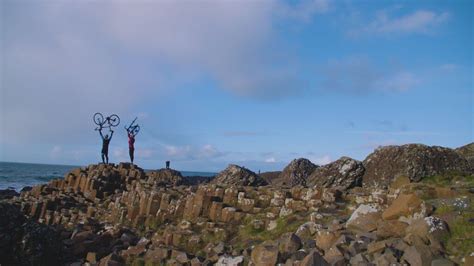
(105,146)
(131,142)
(167,164)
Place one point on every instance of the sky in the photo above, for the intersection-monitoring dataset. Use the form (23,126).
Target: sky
(254,83)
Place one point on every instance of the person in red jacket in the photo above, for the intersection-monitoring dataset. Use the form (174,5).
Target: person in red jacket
(131,143)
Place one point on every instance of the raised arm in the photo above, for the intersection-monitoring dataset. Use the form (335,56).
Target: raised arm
(100,132)
(111,134)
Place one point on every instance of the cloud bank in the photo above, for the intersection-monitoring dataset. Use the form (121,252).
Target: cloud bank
(419,22)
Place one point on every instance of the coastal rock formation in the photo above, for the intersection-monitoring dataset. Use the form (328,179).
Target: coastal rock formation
(8,193)
(414,161)
(467,151)
(165,177)
(271,177)
(296,172)
(239,176)
(99,181)
(344,173)
(135,219)
(25,242)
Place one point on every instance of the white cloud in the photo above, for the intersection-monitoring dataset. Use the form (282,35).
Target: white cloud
(420,21)
(119,152)
(358,74)
(63,60)
(56,152)
(189,152)
(400,81)
(320,160)
(270,160)
(449,67)
(305,9)
(144,153)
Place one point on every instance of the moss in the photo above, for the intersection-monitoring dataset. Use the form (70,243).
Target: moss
(460,243)
(283,225)
(134,261)
(450,178)
(214,237)
(444,209)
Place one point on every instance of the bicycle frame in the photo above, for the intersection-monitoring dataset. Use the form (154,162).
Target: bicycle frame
(133,129)
(109,121)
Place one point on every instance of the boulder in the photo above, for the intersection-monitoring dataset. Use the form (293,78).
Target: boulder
(289,243)
(429,229)
(344,173)
(111,260)
(364,218)
(230,261)
(8,193)
(404,205)
(414,161)
(297,172)
(314,259)
(325,239)
(443,262)
(238,176)
(390,228)
(265,254)
(418,255)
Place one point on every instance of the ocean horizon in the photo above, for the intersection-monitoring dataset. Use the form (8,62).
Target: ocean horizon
(16,175)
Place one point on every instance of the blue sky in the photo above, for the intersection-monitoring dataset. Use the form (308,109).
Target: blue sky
(256,83)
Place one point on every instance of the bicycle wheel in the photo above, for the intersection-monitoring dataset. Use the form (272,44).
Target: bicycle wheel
(98,119)
(136,129)
(114,120)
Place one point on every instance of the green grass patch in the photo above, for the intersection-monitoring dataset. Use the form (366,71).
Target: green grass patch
(444,209)
(450,178)
(460,243)
(283,225)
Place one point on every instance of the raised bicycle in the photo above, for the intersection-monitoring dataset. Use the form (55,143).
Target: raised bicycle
(108,122)
(133,129)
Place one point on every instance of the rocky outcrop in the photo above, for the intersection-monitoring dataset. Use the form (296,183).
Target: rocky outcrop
(271,177)
(8,193)
(296,172)
(467,151)
(165,177)
(414,161)
(344,173)
(239,176)
(142,219)
(99,181)
(25,242)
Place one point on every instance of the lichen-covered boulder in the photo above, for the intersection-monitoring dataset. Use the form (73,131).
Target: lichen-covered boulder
(238,176)
(297,172)
(412,160)
(344,173)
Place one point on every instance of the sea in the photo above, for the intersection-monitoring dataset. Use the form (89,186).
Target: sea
(18,175)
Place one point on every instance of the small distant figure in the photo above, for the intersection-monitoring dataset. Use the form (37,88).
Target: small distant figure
(131,143)
(105,146)
(167,164)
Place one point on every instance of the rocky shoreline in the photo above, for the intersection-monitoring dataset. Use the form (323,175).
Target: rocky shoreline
(409,204)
